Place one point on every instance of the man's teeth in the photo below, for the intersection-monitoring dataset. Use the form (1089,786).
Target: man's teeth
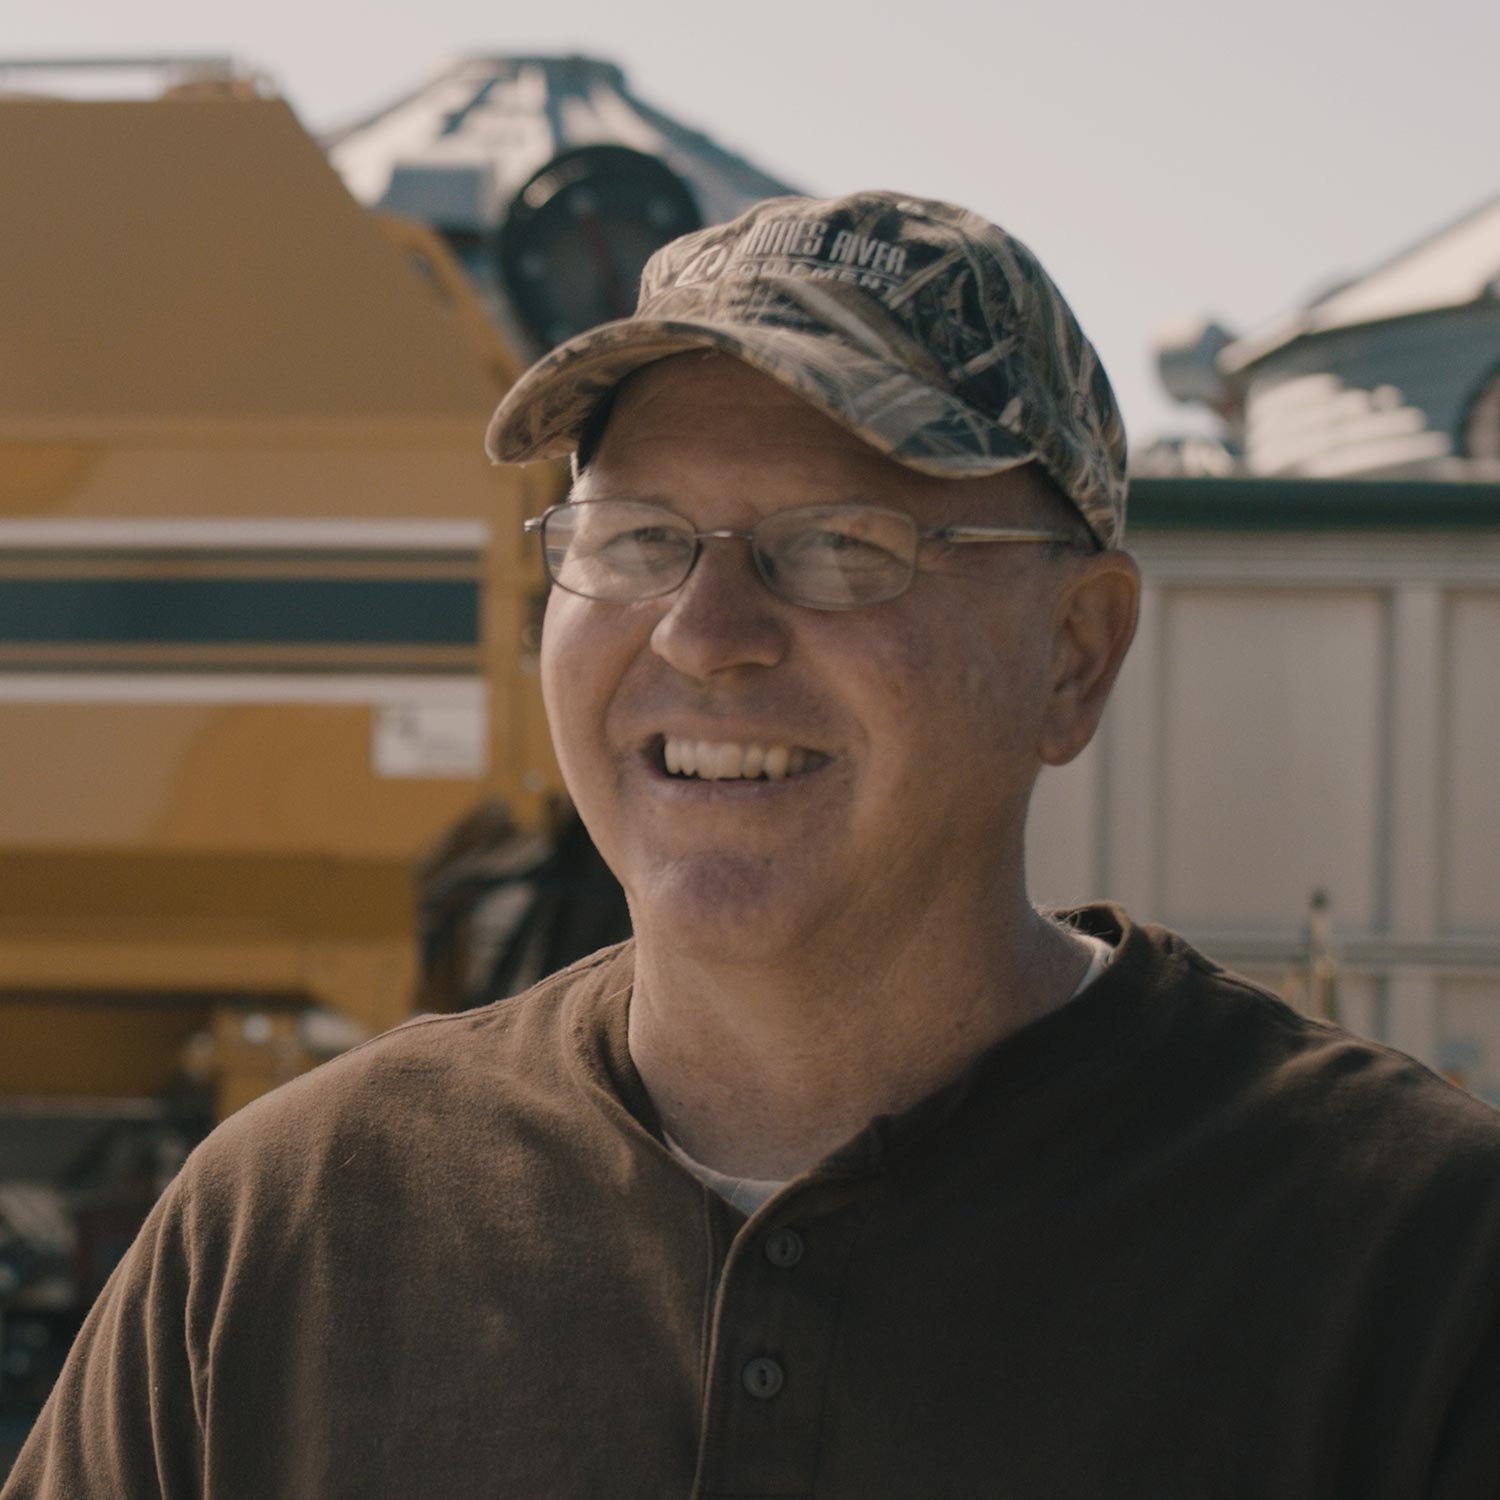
(711,760)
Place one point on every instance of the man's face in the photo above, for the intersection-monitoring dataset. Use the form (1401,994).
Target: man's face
(919,723)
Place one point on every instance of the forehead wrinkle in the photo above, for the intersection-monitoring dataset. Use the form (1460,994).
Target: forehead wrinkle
(695,437)
(696,428)
(753,482)
(680,400)
(761,507)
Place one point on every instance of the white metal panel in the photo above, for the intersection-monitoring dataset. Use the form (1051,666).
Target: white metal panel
(1469,1049)
(1272,728)
(1305,710)
(1471,885)
(1358,1007)
(1413,880)
(1416,755)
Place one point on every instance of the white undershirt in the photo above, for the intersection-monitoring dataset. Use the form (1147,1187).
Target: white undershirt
(748,1193)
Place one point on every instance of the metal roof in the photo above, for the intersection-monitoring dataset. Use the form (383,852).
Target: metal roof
(464,142)
(1457,265)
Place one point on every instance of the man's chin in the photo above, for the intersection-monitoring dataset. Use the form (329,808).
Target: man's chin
(726,909)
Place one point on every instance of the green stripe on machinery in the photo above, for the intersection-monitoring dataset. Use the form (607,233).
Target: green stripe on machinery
(1234,504)
(240,611)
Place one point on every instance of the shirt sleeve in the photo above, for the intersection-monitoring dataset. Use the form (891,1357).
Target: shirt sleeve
(123,1420)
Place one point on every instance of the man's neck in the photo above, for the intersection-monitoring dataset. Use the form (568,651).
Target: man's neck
(761,1073)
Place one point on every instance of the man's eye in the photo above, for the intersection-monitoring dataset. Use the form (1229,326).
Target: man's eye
(648,536)
(838,541)
(643,547)
(645,540)
(840,546)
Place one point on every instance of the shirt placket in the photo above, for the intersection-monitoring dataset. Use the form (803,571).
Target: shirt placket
(771,1350)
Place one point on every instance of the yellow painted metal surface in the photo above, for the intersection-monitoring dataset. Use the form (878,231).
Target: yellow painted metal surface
(66,1047)
(215,273)
(222,377)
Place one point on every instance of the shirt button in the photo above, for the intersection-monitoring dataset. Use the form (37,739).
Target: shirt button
(784,1247)
(763,1378)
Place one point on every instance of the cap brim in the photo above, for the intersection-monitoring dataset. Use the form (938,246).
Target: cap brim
(917,424)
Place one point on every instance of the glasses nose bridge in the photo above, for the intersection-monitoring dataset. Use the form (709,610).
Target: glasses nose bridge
(723,534)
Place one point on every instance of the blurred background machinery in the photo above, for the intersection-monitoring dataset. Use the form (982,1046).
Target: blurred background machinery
(550,181)
(1393,373)
(273,767)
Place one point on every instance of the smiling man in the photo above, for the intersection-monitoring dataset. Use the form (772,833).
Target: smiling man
(853,1175)
(806,742)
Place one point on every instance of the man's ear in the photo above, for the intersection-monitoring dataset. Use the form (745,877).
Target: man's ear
(1093,626)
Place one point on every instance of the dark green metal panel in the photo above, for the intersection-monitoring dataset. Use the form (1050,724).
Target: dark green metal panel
(241,611)
(1311,505)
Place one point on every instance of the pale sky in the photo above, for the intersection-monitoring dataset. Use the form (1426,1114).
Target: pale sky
(1164,159)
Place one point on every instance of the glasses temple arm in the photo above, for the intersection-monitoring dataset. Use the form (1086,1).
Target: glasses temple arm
(992,534)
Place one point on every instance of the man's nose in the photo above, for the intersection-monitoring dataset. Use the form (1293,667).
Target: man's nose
(722,617)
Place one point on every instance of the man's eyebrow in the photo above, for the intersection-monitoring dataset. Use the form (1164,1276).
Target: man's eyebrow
(626,497)
(667,502)
(635,497)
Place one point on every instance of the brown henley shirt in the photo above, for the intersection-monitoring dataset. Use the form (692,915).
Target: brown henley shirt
(1172,1241)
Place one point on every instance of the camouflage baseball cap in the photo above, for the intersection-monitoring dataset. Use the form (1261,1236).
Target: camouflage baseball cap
(931,334)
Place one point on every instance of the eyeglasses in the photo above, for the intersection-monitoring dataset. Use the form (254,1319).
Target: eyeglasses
(821,556)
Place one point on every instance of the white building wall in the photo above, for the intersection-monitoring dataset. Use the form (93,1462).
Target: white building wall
(1298,713)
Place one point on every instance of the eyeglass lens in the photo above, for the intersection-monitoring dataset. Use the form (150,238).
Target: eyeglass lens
(827,556)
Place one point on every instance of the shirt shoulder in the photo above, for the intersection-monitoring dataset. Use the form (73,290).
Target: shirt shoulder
(1192,1052)
(432,1093)
(1332,1100)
